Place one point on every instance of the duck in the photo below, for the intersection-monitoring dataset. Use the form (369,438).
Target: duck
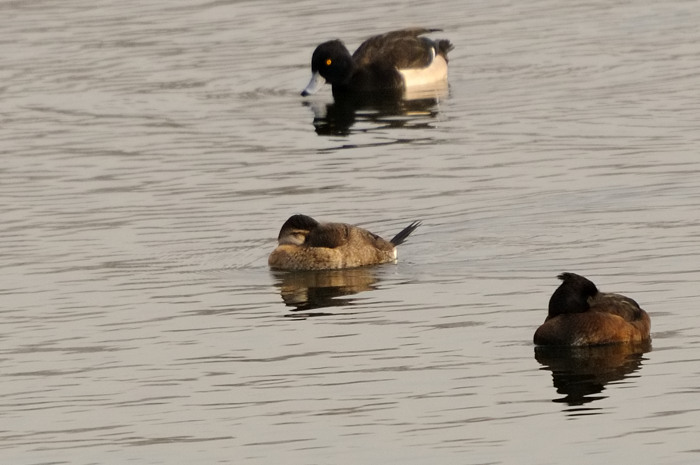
(306,244)
(580,315)
(385,65)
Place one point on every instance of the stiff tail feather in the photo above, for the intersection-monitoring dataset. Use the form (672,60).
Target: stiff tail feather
(401,237)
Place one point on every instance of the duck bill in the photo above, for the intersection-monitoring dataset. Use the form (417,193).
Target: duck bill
(314,84)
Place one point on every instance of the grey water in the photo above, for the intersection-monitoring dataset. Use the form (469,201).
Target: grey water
(151,150)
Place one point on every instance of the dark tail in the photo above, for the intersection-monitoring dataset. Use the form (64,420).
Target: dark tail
(442,47)
(401,237)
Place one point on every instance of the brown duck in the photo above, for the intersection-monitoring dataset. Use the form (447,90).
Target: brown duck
(580,315)
(306,244)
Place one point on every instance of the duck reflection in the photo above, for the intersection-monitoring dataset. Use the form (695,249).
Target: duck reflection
(308,291)
(413,111)
(579,373)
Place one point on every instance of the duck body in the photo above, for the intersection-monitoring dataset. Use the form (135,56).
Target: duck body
(580,315)
(385,65)
(306,244)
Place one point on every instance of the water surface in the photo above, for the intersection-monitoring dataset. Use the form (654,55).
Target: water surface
(151,151)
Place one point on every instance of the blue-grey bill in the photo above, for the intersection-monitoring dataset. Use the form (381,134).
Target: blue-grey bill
(314,84)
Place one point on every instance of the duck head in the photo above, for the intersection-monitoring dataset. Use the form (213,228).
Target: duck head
(331,62)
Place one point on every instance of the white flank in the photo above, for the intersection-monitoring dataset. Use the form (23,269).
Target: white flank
(434,74)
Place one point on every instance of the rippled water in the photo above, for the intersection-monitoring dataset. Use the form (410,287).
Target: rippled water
(152,150)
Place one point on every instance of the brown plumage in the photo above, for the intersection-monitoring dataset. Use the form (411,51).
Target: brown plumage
(306,244)
(402,49)
(580,315)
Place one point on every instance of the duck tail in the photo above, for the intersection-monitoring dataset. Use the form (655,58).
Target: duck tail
(442,47)
(401,237)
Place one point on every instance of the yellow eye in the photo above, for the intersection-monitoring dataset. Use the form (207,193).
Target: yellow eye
(329,62)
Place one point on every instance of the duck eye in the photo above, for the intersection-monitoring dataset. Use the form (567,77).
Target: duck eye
(329,62)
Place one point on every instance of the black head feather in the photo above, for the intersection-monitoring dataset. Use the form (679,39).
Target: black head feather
(333,61)
(301,222)
(572,295)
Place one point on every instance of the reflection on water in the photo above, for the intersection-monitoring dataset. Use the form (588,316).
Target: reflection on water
(310,290)
(339,117)
(582,372)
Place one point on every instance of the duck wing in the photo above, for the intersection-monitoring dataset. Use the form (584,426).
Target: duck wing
(617,304)
(402,49)
(330,235)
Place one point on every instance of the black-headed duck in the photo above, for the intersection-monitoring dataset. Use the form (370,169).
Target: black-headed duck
(306,244)
(385,65)
(580,315)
